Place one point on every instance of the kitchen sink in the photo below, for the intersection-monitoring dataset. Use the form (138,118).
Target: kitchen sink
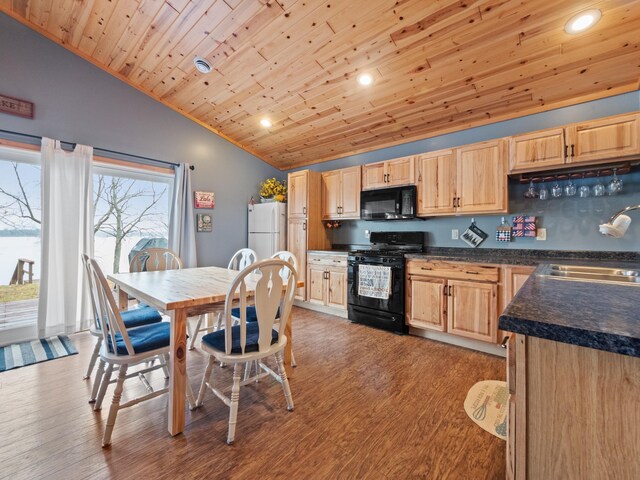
(622,276)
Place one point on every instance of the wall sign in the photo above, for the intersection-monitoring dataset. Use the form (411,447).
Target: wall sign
(204,222)
(15,106)
(204,199)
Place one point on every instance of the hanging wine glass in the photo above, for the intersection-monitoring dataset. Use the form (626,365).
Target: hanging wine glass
(543,193)
(598,188)
(570,188)
(615,185)
(531,191)
(584,189)
(556,190)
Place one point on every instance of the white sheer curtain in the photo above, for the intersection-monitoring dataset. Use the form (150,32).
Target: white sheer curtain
(182,235)
(67,231)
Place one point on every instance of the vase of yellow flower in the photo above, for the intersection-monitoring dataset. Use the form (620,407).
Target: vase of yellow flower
(272,190)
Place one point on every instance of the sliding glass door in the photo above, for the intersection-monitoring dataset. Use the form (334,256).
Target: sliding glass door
(19,243)
(131,213)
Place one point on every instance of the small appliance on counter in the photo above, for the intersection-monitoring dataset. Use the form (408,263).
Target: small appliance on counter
(267,228)
(376,280)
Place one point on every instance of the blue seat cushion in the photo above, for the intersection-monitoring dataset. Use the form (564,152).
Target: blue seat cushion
(251,313)
(216,339)
(140,316)
(144,339)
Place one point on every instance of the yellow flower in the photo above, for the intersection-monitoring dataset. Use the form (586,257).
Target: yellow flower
(272,187)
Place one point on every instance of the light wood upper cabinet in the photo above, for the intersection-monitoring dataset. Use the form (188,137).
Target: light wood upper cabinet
(481,174)
(472,310)
(392,173)
(436,173)
(341,194)
(426,299)
(297,194)
(604,139)
(589,142)
(537,150)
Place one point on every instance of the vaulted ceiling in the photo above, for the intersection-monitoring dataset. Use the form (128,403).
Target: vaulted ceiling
(438,66)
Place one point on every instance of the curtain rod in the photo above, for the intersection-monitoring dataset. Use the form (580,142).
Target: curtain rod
(105,150)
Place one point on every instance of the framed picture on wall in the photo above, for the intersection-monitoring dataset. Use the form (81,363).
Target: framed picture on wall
(204,200)
(204,222)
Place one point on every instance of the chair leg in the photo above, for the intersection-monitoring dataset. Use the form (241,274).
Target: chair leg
(293,360)
(285,381)
(247,370)
(106,378)
(205,379)
(191,399)
(94,357)
(97,381)
(194,333)
(164,361)
(233,407)
(115,406)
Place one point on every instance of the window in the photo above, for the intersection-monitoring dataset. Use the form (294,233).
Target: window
(19,238)
(132,207)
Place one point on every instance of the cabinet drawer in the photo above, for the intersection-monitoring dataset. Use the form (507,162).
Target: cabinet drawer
(455,271)
(327,260)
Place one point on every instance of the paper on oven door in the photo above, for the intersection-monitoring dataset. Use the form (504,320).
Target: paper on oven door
(374,281)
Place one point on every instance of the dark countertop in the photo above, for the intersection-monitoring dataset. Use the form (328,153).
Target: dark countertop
(597,315)
(521,256)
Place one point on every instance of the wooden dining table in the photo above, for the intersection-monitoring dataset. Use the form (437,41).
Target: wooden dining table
(180,294)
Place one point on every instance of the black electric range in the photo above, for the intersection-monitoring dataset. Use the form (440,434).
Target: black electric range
(381,307)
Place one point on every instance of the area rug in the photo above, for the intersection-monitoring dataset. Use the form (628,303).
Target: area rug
(27,353)
(487,405)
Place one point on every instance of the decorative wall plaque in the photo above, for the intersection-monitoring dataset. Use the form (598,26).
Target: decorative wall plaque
(15,106)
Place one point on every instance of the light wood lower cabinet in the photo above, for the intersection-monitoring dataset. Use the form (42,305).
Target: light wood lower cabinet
(327,280)
(573,413)
(458,298)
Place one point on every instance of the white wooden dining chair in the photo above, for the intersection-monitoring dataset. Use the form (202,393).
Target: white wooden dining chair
(154,259)
(239,261)
(122,348)
(136,317)
(252,341)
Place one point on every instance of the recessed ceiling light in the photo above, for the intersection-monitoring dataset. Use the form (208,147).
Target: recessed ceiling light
(202,65)
(266,123)
(582,21)
(365,79)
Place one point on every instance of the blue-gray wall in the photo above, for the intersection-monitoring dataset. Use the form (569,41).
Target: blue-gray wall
(571,223)
(77,102)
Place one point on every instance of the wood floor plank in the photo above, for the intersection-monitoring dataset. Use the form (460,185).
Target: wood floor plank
(369,404)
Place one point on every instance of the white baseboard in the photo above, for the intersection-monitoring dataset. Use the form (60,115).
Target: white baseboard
(321,308)
(478,345)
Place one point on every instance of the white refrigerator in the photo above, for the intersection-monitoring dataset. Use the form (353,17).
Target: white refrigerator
(267,228)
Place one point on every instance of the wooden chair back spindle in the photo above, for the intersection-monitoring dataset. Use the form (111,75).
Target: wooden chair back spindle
(155,259)
(242,259)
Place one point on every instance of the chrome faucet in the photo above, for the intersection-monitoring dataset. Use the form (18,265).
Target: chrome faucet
(618,223)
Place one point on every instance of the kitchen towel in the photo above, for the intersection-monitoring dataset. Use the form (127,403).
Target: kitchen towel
(374,281)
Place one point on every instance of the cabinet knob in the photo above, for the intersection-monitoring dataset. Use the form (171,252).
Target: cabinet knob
(505,341)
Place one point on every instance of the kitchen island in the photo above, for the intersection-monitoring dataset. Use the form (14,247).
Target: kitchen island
(573,373)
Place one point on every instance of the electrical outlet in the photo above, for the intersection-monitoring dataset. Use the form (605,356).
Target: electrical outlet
(367,234)
(455,234)
(541,234)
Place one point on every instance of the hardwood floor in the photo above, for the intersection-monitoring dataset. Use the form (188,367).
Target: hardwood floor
(368,404)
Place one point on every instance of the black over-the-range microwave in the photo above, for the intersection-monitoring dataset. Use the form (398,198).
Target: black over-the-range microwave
(396,203)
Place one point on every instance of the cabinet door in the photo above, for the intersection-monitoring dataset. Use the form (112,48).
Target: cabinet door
(537,150)
(373,176)
(351,187)
(297,194)
(297,244)
(426,303)
(400,171)
(337,288)
(317,289)
(331,194)
(482,178)
(436,182)
(472,310)
(604,139)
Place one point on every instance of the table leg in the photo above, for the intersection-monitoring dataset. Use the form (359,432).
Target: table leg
(177,371)
(288,331)
(123,299)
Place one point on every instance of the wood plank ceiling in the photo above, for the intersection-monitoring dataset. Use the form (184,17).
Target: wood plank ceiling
(439,66)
